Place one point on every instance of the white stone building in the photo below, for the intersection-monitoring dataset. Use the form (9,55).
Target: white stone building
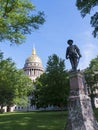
(33,68)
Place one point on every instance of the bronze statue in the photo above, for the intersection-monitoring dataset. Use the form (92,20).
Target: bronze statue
(73,54)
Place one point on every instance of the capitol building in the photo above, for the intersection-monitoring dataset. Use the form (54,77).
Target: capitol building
(33,68)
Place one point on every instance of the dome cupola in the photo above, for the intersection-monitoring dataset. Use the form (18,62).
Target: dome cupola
(33,66)
(33,58)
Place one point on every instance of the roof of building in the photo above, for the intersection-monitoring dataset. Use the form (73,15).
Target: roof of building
(33,58)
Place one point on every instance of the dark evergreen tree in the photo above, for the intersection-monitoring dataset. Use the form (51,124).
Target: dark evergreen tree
(52,87)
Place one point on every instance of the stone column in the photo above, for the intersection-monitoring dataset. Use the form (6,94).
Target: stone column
(80,113)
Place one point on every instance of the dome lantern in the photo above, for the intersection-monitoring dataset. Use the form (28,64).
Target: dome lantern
(33,51)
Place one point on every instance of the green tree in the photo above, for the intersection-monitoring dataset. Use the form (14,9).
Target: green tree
(85,7)
(23,87)
(57,80)
(91,76)
(52,87)
(14,84)
(17,19)
(39,94)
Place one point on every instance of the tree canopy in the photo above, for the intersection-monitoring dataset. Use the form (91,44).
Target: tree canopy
(85,7)
(18,18)
(91,76)
(14,84)
(52,87)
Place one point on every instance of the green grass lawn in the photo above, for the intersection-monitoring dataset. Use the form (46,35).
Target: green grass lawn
(33,121)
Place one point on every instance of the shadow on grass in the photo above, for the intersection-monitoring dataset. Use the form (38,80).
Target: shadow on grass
(33,121)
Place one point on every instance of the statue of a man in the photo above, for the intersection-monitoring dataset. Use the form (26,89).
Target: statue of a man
(73,54)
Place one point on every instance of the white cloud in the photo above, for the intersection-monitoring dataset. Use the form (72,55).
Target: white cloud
(89,50)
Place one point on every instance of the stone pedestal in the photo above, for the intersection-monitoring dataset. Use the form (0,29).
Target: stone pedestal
(80,113)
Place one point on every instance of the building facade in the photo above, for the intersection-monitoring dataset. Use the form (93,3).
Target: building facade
(33,68)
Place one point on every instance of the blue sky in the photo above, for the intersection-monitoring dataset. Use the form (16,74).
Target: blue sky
(63,22)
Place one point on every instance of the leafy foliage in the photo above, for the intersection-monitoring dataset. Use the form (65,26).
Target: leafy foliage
(52,87)
(85,7)
(39,94)
(14,84)
(17,18)
(91,75)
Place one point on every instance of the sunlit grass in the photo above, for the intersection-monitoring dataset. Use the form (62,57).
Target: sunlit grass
(33,121)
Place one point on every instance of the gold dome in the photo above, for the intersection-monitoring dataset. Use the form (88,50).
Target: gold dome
(33,58)
(33,66)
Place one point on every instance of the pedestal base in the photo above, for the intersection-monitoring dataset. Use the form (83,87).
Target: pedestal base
(80,113)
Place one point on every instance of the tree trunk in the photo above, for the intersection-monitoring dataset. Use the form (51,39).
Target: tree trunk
(8,109)
(92,101)
(1,110)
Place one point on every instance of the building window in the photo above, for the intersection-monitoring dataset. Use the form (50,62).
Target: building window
(18,107)
(96,101)
(15,108)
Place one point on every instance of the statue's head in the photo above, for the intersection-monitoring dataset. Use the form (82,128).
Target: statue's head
(70,42)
